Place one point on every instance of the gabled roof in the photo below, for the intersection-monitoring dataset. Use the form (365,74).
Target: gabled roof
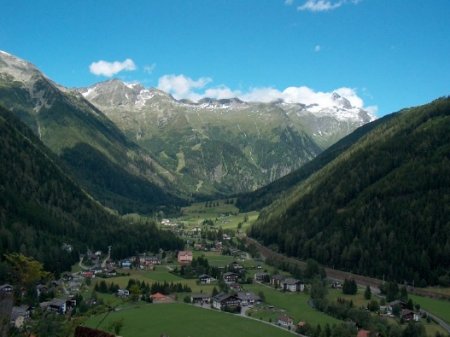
(223,296)
(363,333)
(204,276)
(278,277)
(285,319)
(158,296)
(291,281)
(230,274)
(57,302)
(247,296)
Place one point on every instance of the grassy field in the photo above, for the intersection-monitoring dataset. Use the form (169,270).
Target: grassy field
(216,259)
(295,304)
(224,215)
(439,308)
(358,299)
(184,320)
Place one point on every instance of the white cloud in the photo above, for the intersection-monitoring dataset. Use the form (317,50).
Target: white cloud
(149,68)
(324,5)
(108,69)
(317,48)
(288,2)
(181,86)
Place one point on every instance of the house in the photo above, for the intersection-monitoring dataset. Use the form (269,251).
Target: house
(6,288)
(235,287)
(409,315)
(160,298)
(200,298)
(292,285)
(262,277)
(205,279)
(222,301)
(285,321)
(248,298)
(57,305)
(363,333)
(41,289)
(126,264)
(88,274)
(184,257)
(276,280)
(236,267)
(395,304)
(336,285)
(123,292)
(19,315)
(230,277)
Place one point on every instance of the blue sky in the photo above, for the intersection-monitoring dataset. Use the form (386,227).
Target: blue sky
(388,53)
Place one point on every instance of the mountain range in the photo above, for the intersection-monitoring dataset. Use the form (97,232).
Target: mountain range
(224,146)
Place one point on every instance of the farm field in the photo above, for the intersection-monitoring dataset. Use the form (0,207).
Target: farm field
(440,308)
(184,320)
(295,304)
(358,299)
(224,215)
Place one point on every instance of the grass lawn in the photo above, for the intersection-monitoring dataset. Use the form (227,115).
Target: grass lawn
(184,320)
(215,259)
(440,308)
(295,304)
(358,299)
(224,215)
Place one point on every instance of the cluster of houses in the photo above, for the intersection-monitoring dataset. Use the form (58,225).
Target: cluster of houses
(404,313)
(19,315)
(224,301)
(280,282)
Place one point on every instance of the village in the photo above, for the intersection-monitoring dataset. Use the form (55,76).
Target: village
(214,272)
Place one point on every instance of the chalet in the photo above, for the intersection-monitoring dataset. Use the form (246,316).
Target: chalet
(126,264)
(292,285)
(185,257)
(20,315)
(200,298)
(285,321)
(123,292)
(236,267)
(390,307)
(409,315)
(222,301)
(276,280)
(160,298)
(57,305)
(230,277)
(41,289)
(88,274)
(248,298)
(336,285)
(6,288)
(363,333)
(205,279)
(262,277)
(235,287)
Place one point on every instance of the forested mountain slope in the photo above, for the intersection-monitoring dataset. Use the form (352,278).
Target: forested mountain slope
(267,194)
(115,170)
(41,207)
(381,208)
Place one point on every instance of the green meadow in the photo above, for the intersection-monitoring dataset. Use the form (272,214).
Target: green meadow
(182,320)
(440,308)
(295,304)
